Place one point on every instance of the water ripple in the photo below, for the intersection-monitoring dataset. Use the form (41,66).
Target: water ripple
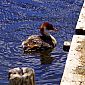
(20,19)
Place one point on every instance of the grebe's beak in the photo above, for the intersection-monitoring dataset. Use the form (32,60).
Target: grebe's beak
(54,30)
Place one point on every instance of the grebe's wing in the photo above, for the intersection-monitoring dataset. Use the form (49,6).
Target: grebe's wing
(36,42)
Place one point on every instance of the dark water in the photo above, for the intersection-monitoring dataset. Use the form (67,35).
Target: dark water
(19,19)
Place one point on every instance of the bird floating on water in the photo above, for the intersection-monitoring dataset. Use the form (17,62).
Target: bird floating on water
(41,42)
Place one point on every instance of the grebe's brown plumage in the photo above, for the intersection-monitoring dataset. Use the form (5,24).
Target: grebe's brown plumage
(40,42)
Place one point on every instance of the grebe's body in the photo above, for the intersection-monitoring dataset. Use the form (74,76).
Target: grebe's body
(41,42)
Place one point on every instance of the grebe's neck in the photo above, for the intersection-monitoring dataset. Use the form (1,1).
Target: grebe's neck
(43,32)
(48,36)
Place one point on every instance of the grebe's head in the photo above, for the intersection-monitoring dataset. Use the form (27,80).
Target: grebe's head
(47,26)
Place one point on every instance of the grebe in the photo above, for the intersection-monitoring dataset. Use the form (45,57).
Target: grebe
(41,42)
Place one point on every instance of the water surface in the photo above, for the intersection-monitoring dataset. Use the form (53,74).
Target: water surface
(20,19)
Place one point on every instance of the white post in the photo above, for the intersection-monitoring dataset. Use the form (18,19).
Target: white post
(21,76)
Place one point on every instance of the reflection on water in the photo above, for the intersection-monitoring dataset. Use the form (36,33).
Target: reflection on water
(20,19)
(45,56)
